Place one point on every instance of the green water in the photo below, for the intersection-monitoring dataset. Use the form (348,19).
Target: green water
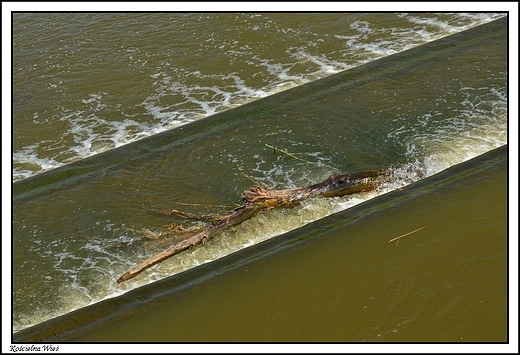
(447,282)
(84,83)
(339,279)
(415,113)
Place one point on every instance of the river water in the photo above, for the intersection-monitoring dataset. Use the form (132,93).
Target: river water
(193,102)
(86,83)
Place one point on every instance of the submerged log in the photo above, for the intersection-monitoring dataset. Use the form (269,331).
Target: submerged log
(258,199)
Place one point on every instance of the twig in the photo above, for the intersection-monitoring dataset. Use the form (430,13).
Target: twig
(205,205)
(250,178)
(202,217)
(258,199)
(287,153)
(404,235)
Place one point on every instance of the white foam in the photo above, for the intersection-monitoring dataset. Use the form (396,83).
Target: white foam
(426,155)
(475,19)
(232,90)
(106,265)
(28,156)
(326,66)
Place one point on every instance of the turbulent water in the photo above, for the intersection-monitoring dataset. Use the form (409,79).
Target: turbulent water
(84,84)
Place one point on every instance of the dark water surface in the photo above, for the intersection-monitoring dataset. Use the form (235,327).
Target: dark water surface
(78,226)
(339,279)
(84,83)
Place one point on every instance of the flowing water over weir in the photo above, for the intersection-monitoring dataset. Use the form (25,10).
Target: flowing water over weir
(87,82)
(340,278)
(415,113)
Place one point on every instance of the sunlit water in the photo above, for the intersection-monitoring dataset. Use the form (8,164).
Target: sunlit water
(101,87)
(85,83)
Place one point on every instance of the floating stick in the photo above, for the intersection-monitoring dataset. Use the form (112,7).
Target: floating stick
(257,200)
(404,235)
(200,204)
(287,153)
(250,178)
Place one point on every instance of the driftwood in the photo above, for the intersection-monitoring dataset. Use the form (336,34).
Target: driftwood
(258,199)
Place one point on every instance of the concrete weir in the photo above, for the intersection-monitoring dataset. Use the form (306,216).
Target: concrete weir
(168,301)
(296,276)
